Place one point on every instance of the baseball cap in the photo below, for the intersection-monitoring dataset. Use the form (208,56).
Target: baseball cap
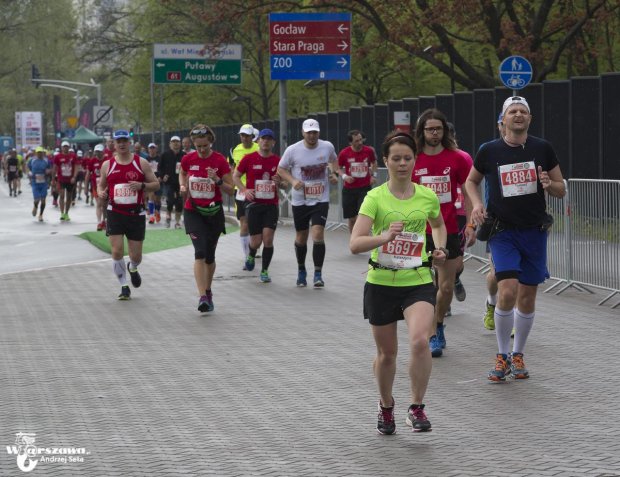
(266,132)
(515,100)
(152,144)
(175,138)
(99,147)
(500,118)
(247,129)
(65,143)
(120,134)
(310,125)
(39,149)
(80,153)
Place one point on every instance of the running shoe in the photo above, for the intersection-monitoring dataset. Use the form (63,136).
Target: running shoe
(67,219)
(501,370)
(62,217)
(157,216)
(99,226)
(203,304)
(488,320)
(34,211)
(136,279)
(177,225)
(168,220)
(441,336)
(55,203)
(416,418)
(125,293)
(264,277)
(449,311)
(517,367)
(459,290)
(435,346)
(249,263)
(210,305)
(151,220)
(301,278)
(385,420)
(40,218)
(318,280)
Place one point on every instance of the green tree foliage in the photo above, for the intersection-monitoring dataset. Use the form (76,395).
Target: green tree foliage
(34,32)
(469,38)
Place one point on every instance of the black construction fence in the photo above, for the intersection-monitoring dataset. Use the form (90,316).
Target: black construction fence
(579,116)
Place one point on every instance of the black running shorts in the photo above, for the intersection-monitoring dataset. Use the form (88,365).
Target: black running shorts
(384,305)
(304,215)
(131,226)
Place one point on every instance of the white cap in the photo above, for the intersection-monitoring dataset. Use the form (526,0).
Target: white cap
(152,144)
(310,125)
(247,129)
(515,100)
(80,153)
(175,138)
(65,143)
(99,147)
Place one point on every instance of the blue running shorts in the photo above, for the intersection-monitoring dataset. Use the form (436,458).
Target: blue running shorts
(39,191)
(521,254)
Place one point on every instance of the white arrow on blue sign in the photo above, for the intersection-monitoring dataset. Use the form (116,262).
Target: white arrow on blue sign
(515,72)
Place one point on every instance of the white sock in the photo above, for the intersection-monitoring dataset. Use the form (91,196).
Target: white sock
(504,322)
(492,299)
(120,271)
(245,244)
(523,325)
(133,266)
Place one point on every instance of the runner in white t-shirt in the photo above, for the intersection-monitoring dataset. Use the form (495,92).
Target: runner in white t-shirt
(310,165)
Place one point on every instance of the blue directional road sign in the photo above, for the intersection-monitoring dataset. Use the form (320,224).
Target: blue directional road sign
(310,46)
(515,72)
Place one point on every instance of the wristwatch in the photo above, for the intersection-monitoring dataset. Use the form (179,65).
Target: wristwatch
(143,185)
(219,182)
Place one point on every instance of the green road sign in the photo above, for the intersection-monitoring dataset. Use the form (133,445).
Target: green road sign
(196,71)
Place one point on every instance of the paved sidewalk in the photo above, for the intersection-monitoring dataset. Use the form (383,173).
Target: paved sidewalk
(277,380)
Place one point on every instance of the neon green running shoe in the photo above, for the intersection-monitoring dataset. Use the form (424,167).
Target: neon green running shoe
(489,317)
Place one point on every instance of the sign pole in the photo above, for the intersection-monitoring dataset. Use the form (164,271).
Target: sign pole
(152,106)
(161,115)
(283,132)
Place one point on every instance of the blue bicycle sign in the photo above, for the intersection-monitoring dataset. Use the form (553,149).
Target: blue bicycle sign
(515,72)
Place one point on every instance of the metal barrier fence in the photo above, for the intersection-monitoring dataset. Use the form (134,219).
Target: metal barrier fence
(592,236)
(584,243)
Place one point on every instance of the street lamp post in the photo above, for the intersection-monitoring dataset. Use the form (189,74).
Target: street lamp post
(312,83)
(244,99)
(78,97)
(441,49)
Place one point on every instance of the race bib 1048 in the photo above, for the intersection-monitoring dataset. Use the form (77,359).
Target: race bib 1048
(441,185)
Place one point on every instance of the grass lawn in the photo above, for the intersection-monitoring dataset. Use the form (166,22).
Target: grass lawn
(154,241)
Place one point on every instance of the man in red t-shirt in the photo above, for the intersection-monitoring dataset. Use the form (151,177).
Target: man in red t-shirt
(261,198)
(64,175)
(442,168)
(93,172)
(358,169)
